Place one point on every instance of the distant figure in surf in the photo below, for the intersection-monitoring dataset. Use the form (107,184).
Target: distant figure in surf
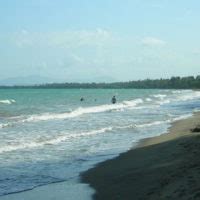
(114,100)
(82,99)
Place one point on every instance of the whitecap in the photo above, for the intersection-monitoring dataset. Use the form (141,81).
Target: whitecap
(189,96)
(148,99)
(7,101)
(4,125)
(40,142)
(161,96)
(84,110)
(164,102)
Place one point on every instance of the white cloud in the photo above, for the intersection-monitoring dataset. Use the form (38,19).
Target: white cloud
(67,39)
(80,38)
(72,52)
(23,39)
(152,41)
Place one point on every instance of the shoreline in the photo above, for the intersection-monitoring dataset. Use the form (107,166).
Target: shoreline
(97,177)
(73,190)
(161,167)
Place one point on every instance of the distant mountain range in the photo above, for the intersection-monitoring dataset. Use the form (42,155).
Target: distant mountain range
(38,80)
(26,80)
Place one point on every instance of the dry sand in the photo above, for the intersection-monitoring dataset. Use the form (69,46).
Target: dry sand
(163,167)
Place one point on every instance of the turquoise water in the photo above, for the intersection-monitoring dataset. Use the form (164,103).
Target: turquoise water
(48,135)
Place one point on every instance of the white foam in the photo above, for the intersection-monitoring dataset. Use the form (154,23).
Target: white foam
(87,110)
(152,124)
(78,135)
(196,110)
(148,99)
(155,123)
(54,141)
(189,96)
(166,101)
(132,103)
(40,142)
(160,96)
(177,91)
(7,101)
(182,117)
(4,125)
(185,95)
(164,121)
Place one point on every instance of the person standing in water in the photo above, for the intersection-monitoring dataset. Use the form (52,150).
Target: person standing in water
(114,100)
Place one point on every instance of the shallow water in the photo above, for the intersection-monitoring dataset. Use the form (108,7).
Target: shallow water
(48,135)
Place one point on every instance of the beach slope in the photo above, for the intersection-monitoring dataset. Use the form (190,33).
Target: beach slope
(163,167)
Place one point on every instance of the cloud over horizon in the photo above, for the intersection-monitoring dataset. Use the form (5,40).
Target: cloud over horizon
(77,39)
(84,53)
(153,41)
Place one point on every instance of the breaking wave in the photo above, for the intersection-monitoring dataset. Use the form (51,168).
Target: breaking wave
(45,141)
(7,101)
(87,110)
(4,125)
(190,96)
(161,96)
(40,142)
(179,96)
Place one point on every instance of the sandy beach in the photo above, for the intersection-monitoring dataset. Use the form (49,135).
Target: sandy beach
(163,167)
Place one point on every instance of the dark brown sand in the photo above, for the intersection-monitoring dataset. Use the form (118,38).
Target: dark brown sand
(164,167)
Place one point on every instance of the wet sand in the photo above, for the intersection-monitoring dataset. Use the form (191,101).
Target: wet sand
(72,190)
(160,168)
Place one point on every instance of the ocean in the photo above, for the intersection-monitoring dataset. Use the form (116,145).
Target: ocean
(49,135)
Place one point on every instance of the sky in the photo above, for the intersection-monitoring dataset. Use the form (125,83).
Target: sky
(99,40)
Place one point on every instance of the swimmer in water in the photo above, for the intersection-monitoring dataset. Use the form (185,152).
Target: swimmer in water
(114,100)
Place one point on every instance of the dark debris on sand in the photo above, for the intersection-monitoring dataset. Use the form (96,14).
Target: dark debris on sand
(196,129)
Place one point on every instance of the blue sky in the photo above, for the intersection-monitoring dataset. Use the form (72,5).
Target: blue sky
(94,40)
